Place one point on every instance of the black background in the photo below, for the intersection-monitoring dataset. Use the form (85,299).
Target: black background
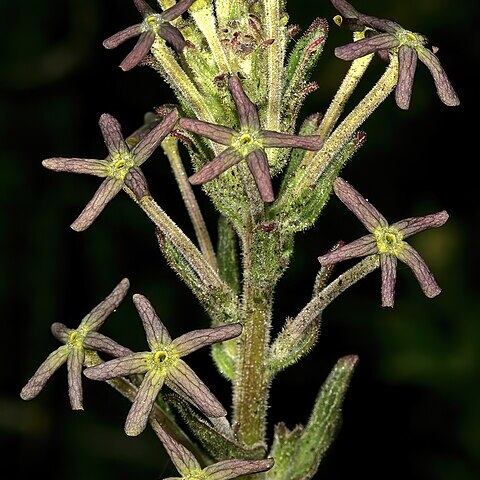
(413,408)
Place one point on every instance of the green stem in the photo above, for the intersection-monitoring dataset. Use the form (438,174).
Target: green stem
(275,58)
(170,147)
(251,379)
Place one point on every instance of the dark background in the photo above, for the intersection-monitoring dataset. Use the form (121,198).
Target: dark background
(413,410)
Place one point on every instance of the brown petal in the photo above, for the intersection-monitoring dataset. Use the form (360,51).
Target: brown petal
(217,133)
(120,37)
(246,110)
(74,366)
(112,135)
(362,247)
(382,41)
(144,8)
(276,139)
(413,225)
(407,65)
(101,343)
(258,164)
(172,35)
(225,160)
(176,10)
(119,367)
(61,332)
(228,469)
(388,266)
(88,166)
(139,51)
(155,331)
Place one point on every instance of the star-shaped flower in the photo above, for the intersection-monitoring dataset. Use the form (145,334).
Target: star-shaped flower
(387,241)
(164,364)
(249,142)
(76,342)
(190,469)
(153,24)
(121,158)
(409,45)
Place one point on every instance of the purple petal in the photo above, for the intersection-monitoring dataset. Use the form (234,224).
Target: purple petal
(112,135)
(246,110)
(413,225)
(420,269)
(388,265)
(139,51)
(147,145)
(52,363)
(382,41)
(407,65)
(235,468)
(258,164)
(184,381)
(95,319)
(135,180)
(155,331)
(137,418)
(173,36)
(276,139)
(345,9)
(217,133)
(88,166)
(74,366)
(107,190)
(176,10)
(380,24)
(225,160)
(364,210)
(119,367)
(144,8)
(182,458)
(444,88)
(118,38)
(101,343)
(191,341)
(362,247)
(61,332)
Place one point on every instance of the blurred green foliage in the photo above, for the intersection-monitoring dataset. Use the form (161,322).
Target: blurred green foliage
(413,410)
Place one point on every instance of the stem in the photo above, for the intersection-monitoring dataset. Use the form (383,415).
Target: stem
(251,379)
(275,57)
(189,251)
(326,296)
(344,92)
(170,147)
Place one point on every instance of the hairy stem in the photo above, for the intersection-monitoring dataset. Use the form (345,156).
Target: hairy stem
(170,147)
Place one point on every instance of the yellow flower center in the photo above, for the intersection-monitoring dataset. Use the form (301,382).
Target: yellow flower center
(195,474)
(389,240)
(152,22)
(406,37)
(245,142)
(163,358)
(120,164)
(76,338)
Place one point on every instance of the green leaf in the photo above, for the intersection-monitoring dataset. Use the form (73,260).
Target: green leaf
(298,453)
(227,254)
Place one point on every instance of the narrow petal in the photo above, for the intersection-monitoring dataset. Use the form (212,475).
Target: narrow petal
(74,366)
(362,247)
(413,225)
(420,269)
(176,10)
(247,112)
(173,36)
(191,341)
(351,51)
(52,363)
(139,51)
(147,145)
(388,266)
(276,139)
(135,180)
(119,367)
(258,164)
(217,133)
(118,38)
(184,381)
(182,458)
(112,135)
(107,190)
(407,65)
(362,208)
(155,330)
(88,166)
(61,332)
(142,405)
(101,343)
(95,319)
(227,159)
(235,468)
(345,9)
(144,8)
(444,88)
(380,24)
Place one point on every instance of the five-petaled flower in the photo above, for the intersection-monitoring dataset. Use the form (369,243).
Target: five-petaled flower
(76,343)
(120,160)
(387,241)
(249,142)
(153,24)
(410,46)
(190,469)
(163,364)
